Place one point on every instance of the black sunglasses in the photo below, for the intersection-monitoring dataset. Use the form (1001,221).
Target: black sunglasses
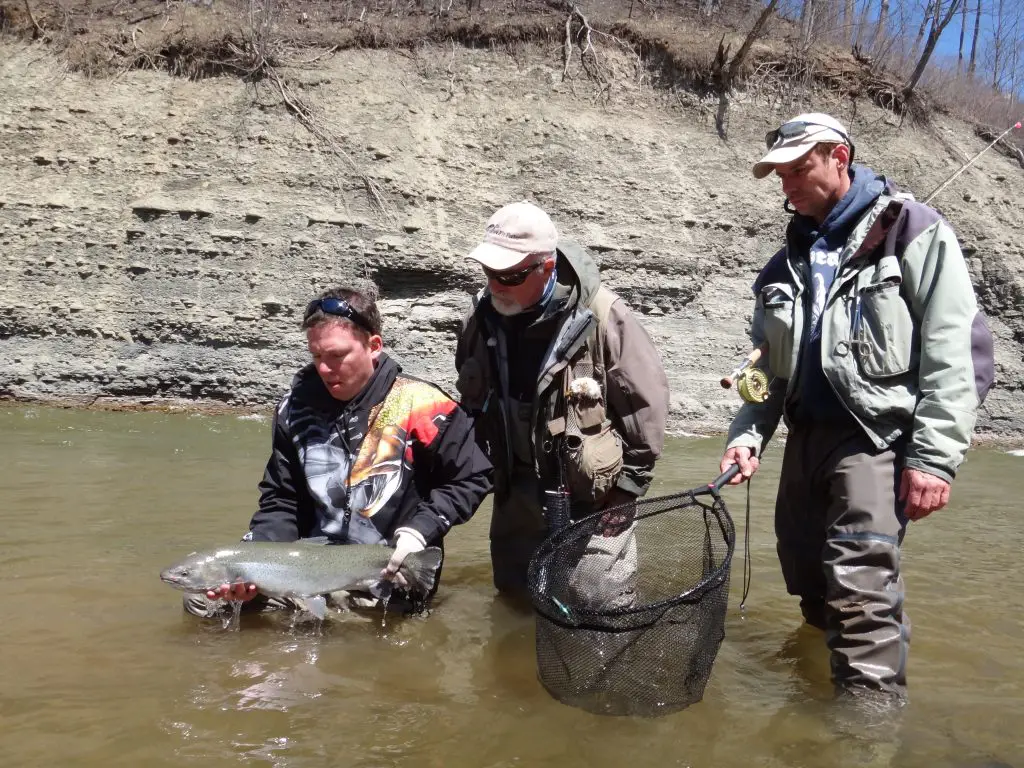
(512,279)
(339,308)
(797,127)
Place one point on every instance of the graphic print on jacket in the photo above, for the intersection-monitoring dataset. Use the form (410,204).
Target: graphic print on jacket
(346,469)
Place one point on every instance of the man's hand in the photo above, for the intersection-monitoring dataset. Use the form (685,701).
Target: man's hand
(615,522)
(239,591)
(923,493)
(407,544)
(745,458)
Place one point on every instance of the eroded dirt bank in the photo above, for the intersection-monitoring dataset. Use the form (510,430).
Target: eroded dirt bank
(160,235)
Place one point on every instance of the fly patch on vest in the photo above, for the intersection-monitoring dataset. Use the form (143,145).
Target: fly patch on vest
(593,450)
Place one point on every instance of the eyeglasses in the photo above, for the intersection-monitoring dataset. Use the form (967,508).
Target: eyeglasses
(339,308)
(795,128)
(512,279)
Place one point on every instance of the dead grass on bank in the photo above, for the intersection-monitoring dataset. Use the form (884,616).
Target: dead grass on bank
(678,50)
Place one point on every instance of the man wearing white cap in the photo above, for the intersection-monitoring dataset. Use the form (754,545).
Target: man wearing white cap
(569,394)
(879,358)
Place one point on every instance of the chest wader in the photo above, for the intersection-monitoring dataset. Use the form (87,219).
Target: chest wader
(586,453)
(839,526)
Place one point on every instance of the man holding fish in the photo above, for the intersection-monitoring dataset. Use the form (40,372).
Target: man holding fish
(362,455)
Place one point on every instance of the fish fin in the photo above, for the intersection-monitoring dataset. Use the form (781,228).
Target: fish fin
(421,568)
(317,605)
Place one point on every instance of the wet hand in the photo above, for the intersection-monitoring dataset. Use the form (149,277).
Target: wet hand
(922,493)
(239,591)
(745,458)
(407,544)
(615,521)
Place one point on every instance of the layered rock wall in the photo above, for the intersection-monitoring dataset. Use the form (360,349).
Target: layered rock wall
(161,236)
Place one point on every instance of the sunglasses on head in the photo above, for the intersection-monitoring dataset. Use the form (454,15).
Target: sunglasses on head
(797,127)
(338,308)
(511,279)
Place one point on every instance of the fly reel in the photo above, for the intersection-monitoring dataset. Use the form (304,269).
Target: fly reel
(752,384)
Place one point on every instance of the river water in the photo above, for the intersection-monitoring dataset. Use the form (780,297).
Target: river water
(101,668)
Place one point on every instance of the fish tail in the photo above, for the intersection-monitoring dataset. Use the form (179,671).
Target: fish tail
(421,568)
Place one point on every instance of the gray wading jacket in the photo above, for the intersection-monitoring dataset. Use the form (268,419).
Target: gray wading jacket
(904,345)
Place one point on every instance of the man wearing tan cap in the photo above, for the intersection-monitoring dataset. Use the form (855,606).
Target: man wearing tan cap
(880,358)
(568,391)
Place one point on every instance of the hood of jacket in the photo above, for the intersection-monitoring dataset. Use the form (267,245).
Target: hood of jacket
(802,231)
(865,187)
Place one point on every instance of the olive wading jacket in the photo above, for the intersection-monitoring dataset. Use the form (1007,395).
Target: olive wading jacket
(625,361)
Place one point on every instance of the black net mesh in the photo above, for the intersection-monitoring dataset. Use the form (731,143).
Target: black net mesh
(631,624)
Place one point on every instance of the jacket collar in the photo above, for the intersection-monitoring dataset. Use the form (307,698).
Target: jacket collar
(308,387)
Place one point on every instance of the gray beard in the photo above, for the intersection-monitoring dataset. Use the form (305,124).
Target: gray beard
(506,308)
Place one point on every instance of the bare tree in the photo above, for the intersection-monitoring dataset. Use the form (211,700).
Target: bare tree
(974,42)
(940,21)
(807,22)
(929,13)
(727,72)
(883,24)
(963,33)
(862,25)
(1004,50)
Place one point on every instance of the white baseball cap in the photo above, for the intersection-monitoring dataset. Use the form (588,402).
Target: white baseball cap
(513,232)
(795,138)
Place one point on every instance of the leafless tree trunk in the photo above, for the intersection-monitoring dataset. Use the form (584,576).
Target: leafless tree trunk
(727,74)
(807,22)
(939,23)
(963,33)
(862,23)
(929,14)
(883,24)
(849,20)
(974,42)
(998,46)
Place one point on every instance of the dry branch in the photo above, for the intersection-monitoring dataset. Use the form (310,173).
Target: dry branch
(38,30)
(579,28)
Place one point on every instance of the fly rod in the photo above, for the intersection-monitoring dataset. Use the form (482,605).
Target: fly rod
(970,162)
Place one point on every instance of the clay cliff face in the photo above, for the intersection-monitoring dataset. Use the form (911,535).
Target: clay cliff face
(161,236)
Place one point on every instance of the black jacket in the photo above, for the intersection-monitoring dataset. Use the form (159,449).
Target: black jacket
(401,454)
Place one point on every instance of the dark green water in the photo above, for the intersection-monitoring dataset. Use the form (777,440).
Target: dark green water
(100,667)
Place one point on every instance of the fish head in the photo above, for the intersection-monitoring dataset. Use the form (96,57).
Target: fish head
(198,572)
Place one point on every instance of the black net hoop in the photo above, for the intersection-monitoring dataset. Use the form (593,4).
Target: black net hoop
(631,624)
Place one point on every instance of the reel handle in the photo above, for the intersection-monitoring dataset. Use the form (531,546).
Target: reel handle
(749,360)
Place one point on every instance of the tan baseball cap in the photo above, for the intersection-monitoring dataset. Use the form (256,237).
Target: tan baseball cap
(513,232)
(795,138)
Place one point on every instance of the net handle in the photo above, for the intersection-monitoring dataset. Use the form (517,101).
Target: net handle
(716,485)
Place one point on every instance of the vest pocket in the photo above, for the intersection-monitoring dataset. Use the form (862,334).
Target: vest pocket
(777,304)
(884,341)
(472,385)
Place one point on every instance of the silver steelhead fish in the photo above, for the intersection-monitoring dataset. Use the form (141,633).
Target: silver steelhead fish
(301,570)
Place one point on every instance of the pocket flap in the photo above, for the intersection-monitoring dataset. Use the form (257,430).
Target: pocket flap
(888,271)
(777,294)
